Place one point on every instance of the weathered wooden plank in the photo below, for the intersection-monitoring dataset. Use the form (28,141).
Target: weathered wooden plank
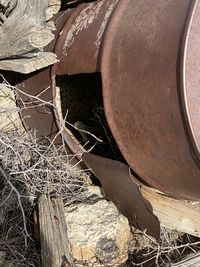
(180,215)
(24,32)
(28,65)
(191,261)
(55,247)
(19,27)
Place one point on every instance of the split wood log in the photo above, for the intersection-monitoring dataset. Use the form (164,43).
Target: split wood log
(55,248)
(180,215)
(24,31)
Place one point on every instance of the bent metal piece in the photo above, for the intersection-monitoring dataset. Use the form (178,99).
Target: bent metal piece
(48,121)
(123,192)
(140,69)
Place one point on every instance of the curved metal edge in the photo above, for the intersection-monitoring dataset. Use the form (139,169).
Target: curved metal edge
(187,39)
(119,9)
(72,143)
(120,188)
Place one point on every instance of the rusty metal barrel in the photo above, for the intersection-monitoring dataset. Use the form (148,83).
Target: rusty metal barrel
(151,94)
(148,55)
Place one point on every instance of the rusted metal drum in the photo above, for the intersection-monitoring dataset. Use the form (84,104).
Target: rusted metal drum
(148,54)
(151,71)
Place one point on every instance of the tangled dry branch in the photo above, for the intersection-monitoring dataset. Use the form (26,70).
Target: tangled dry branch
(28,168)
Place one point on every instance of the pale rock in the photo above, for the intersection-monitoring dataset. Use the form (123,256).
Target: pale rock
(98,233)
(9,116)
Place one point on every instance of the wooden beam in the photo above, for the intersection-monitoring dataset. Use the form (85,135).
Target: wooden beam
(180,215)
(55,249)
(28,65)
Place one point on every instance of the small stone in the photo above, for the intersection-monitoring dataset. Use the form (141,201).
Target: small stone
(94,193)
(98,233)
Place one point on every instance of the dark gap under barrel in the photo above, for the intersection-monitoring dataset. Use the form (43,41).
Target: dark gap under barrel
(82,106)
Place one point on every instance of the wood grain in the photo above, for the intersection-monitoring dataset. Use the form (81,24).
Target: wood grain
(24,32)
(55,249)
(180,215)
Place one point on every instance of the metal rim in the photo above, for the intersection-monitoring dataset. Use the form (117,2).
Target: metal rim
(190,72)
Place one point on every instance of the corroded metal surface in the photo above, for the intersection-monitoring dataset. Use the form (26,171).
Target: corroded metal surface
(148,55)
(123,191)
(141,90)
(78,46)
(36,115)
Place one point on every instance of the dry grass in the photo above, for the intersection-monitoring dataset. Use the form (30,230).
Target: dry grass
(28,168)
(31,167)
(172,248)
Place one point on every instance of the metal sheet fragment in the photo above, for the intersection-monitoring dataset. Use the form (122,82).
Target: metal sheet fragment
(123,192)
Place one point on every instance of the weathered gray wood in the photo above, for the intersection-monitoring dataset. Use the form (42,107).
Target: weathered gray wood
(53,8)
(19,27)
(53,233)
(180,215)
(28,65)
(191,261)
(24,31)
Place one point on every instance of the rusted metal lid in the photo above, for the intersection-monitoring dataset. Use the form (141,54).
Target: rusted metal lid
(191,75)
(121,189)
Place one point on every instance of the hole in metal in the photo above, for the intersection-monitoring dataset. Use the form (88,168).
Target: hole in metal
(82,108)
